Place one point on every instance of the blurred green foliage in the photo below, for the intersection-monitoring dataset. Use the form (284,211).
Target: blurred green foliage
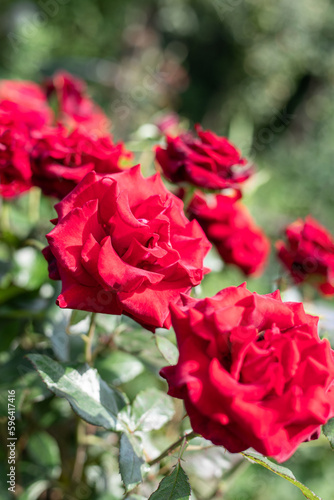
(259,71)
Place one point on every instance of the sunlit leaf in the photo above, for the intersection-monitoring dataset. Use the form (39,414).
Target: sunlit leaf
(168,349)
(152,409)
(119,367)
(90,397)
(30,271)
(35,490)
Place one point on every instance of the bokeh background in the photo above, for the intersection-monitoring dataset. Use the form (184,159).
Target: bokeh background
(258,71)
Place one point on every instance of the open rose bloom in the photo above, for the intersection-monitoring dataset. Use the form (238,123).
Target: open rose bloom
(252,371)
(122,244)
(61,159)
(208,161)
(308,254)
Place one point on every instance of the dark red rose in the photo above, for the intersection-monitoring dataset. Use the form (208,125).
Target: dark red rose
(61,159)
(252,371)
(26,102)
(75,108)
(308,254)
(208,161)
(229,226)
(122,245)
(15,145)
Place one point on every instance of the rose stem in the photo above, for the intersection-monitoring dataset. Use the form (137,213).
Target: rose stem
(89,339)
(34,200)
(172,447)
(80,456)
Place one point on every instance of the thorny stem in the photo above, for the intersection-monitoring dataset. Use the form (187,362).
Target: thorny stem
(183,448)
(173,447)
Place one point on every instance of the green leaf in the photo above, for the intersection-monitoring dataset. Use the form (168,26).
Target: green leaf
(152,409)
(106,322)
(90,397)
(78,316)
(280,471)
(30,271)
(29,389)
(35,490)
(168,349)
(119,367)
(328,430)
(173,487)
(133,339)
(43,450)
(60,340)
(10,329)
(28,386)
(129,464)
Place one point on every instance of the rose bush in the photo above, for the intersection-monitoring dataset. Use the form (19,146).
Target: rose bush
(252,371)
(60,159)
(122,244)
(229,226)
(308,254)
(208,161)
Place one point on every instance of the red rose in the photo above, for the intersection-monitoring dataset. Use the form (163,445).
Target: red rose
(230,227)
(26,101)
(209,161)
(15,144)
(123,245)
(75,107)
(61,159)
(252,371)
(308,254)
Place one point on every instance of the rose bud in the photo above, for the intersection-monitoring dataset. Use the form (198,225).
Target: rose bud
(61,159)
